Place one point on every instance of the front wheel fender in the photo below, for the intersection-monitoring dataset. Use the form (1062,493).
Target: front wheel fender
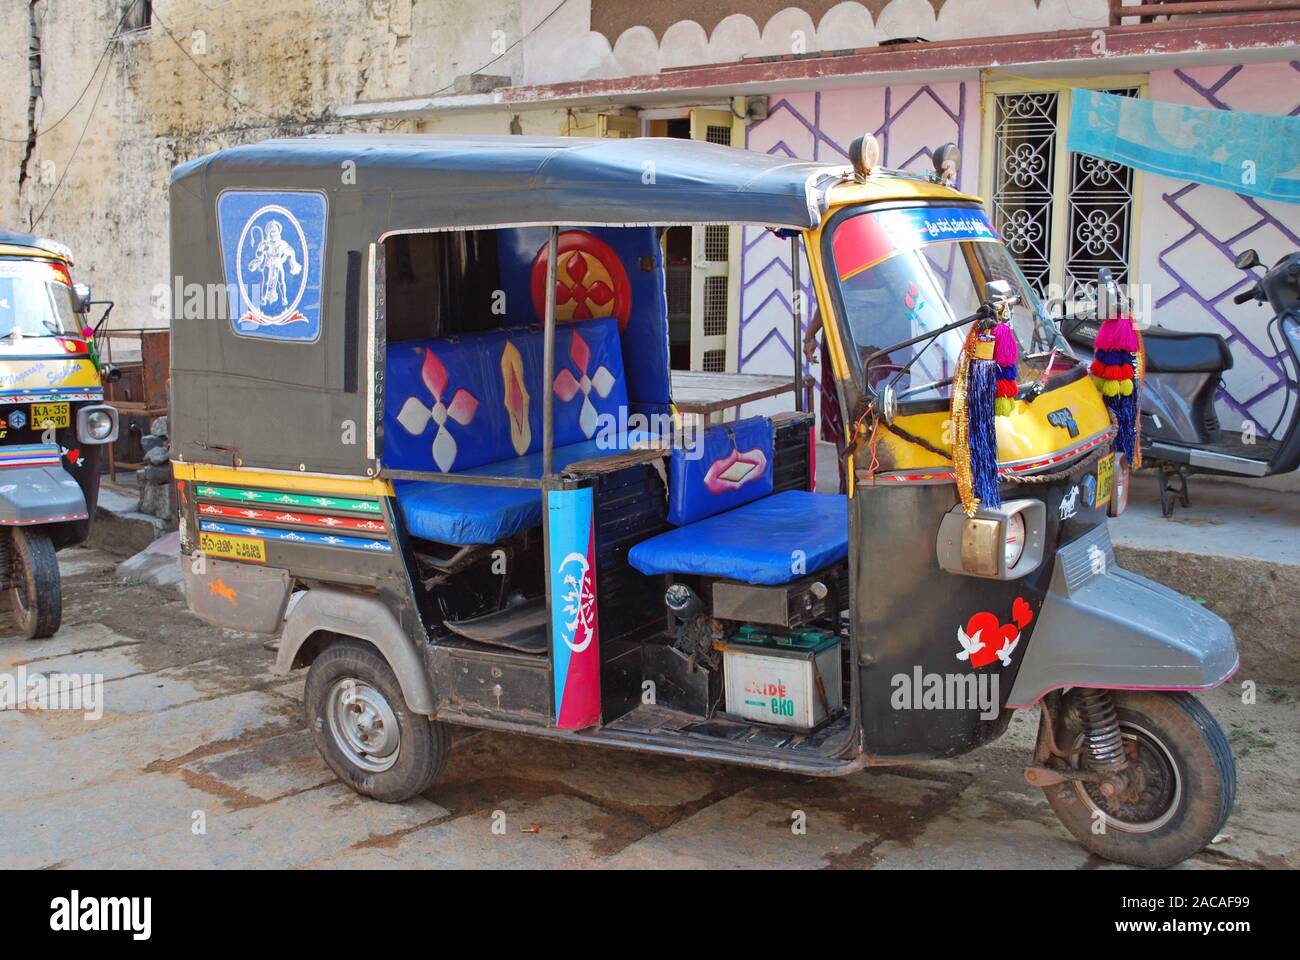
(1120,631)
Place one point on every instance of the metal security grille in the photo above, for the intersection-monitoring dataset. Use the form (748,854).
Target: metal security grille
(715,306)
(715,361)
(716,242)
(1100,219)
(1025,141)
(716,134)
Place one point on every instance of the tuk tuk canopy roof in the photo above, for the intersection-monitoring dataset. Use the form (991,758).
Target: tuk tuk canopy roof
(457,182)
(35,246)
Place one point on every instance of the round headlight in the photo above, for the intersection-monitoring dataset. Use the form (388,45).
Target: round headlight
(99,424)
(1014,544)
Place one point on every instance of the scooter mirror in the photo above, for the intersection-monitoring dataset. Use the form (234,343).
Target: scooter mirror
(1246,260)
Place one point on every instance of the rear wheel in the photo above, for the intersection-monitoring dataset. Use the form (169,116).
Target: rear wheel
(1173,796)
(35,588)
(363,728)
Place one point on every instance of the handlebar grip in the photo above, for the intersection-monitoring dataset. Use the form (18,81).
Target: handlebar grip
(1245,296)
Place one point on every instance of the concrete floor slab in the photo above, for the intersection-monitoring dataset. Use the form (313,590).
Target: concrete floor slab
(547,833)
(273,835)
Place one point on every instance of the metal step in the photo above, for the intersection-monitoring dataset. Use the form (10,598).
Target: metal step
(522,627)
(1208,459)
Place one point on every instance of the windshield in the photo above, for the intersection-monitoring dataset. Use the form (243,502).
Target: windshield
(36,300)
(905,271)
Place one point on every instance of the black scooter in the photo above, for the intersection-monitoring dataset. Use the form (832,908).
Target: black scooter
(1181,433)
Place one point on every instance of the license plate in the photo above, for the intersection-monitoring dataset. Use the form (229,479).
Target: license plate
(1105,479)
(46,415)
(234,548)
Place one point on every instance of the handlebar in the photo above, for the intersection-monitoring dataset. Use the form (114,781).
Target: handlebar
(1246,295)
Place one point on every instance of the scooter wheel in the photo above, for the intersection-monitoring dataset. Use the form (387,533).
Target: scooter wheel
(36,591)
(363,728)
(1173,797)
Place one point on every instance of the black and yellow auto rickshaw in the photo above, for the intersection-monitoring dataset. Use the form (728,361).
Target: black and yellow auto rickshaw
(53,424)
(424,432)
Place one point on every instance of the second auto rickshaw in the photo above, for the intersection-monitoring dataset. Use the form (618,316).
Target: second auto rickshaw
(53,424)
(427,437)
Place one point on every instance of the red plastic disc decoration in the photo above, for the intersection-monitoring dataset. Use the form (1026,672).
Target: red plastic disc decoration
(590,281)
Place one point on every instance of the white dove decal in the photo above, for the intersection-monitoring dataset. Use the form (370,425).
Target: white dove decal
(969,644)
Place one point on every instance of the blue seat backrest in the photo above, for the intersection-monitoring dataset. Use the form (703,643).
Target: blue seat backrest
(729,465)
(454,404)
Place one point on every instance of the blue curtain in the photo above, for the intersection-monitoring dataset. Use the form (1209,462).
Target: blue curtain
(1251,153)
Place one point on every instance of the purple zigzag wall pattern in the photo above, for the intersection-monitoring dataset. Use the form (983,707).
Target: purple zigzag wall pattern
(909,121)
(1191,233)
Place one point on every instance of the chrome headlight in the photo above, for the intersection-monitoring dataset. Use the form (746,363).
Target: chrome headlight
(999,543)
(97,424)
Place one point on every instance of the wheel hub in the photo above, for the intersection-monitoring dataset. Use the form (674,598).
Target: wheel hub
(1145,794)
(363,725)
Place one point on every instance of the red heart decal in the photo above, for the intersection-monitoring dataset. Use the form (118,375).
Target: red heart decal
(74,455)
(985,635)
(980,640)
(1021,613)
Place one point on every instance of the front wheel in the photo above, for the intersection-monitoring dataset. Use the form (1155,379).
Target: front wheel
(1173,796)
(34,583)
(363,728)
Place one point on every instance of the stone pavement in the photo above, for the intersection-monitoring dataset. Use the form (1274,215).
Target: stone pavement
(197,731)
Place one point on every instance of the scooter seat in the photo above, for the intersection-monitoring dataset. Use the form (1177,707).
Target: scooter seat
(1169,351)
(770,541)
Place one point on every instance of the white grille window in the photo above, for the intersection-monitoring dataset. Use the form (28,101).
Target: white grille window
(1064,216)
(715,306)
(718,134)
(1100,221)
(1025,154)
(717,240)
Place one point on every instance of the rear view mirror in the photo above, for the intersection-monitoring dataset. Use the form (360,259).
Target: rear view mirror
(1246,260)
(999,292)
(81,297)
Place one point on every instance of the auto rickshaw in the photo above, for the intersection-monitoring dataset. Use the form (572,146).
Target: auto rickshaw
(424,432)
(53,424)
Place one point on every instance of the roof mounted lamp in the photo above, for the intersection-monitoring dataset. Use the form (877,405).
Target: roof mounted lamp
(947,162)
(864,154)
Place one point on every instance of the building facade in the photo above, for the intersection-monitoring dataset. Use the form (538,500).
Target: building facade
(89,137)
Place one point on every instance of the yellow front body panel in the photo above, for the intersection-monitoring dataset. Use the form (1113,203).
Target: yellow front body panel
(43,373)
(1024,435)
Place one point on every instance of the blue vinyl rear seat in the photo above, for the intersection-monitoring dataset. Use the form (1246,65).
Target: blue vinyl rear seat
(470,405)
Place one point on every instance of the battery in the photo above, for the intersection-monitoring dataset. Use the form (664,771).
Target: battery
(787,679)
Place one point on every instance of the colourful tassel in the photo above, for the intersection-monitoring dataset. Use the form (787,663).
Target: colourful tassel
(1117,373)
(975,443)
(88,333)
(1006,355)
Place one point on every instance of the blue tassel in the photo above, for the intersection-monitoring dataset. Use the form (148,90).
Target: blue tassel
(1126,414)
(981,391)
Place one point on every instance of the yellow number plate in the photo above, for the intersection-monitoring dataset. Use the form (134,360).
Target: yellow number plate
(236,548)
(1105,479)
(46,415)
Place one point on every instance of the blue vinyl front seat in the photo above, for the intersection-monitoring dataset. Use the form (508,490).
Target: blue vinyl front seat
(729,523)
